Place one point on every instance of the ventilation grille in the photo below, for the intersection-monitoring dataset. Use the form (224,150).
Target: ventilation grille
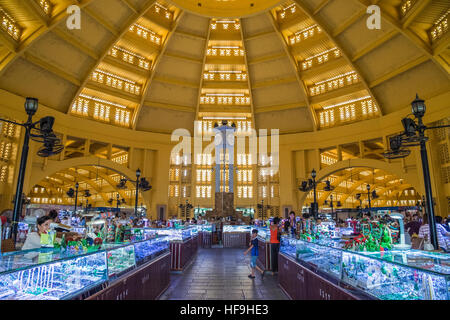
(444,156)
(445,171)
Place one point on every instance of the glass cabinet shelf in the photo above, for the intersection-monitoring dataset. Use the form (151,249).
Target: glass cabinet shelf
(387,275)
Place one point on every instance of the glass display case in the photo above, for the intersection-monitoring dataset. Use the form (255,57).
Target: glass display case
(205,228)
(194,230)
(243,228)
(120,258)
(54,274)
(387,275)
(45,274)
(149,249)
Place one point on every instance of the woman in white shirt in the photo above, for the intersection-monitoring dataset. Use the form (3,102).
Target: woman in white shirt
(33,240)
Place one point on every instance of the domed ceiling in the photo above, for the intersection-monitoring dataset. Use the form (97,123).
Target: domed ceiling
(156,66)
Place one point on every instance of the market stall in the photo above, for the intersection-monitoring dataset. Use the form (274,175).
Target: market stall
(236,236)
(183,245)
(264,249)
(322,269)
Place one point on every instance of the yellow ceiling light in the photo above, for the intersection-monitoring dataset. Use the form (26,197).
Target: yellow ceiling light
(226,8)
(9,25)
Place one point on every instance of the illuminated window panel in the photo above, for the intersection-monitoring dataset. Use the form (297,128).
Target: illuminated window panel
(130,57)
(81,107)
(3,173)
(100,109)
(145,33)
(115,81)
(352,110)
(10,26)
(5,151)
(406,6)
(320,58)
(324,159)
(101,112)
(122,117)
(225,25)
(305,34)
(227,99)
(121,159)
(225,51)
(46,6)
(440,28)
(334,83)
(8,130)
(163,11)
(287,13)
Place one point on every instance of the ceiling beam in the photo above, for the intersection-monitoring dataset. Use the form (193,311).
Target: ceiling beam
(374,45)
(175,81)
(122,33)
(286,106)
(267,58)
(419,43)
(146,86)
(130,5)
(326,31)
(349,22)
(417,8)
(320,6)
(409,65)
(273,82)
(168,106)
(182,57)
(102,21)
(51,68)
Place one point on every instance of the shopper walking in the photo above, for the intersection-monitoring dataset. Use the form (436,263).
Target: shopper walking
(442,234)
(254,254)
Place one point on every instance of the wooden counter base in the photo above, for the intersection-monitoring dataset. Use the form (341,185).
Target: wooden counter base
(148,282)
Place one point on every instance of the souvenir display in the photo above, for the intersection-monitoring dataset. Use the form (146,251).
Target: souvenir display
(395,274)
(66,272)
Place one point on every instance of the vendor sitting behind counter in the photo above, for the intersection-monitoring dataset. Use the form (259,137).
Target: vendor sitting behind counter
(33,240)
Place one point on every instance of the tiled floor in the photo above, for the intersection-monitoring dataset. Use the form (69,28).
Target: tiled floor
(222,274)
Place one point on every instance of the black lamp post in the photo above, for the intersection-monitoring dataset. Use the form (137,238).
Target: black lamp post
(368,195)
(141,183)
(138,176)
(87,194)
(418,109)
(308,186)
(40,131)
(414,135)
(315,206)
(71,194)
(263,209)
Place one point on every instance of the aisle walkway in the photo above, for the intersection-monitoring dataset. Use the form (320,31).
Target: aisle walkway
(221,274)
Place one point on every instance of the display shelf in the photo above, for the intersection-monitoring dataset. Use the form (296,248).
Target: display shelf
(180,234)
(54,274)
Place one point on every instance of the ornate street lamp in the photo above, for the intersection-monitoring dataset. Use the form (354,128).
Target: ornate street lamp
(414,135)
(141,183)
(42,132)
